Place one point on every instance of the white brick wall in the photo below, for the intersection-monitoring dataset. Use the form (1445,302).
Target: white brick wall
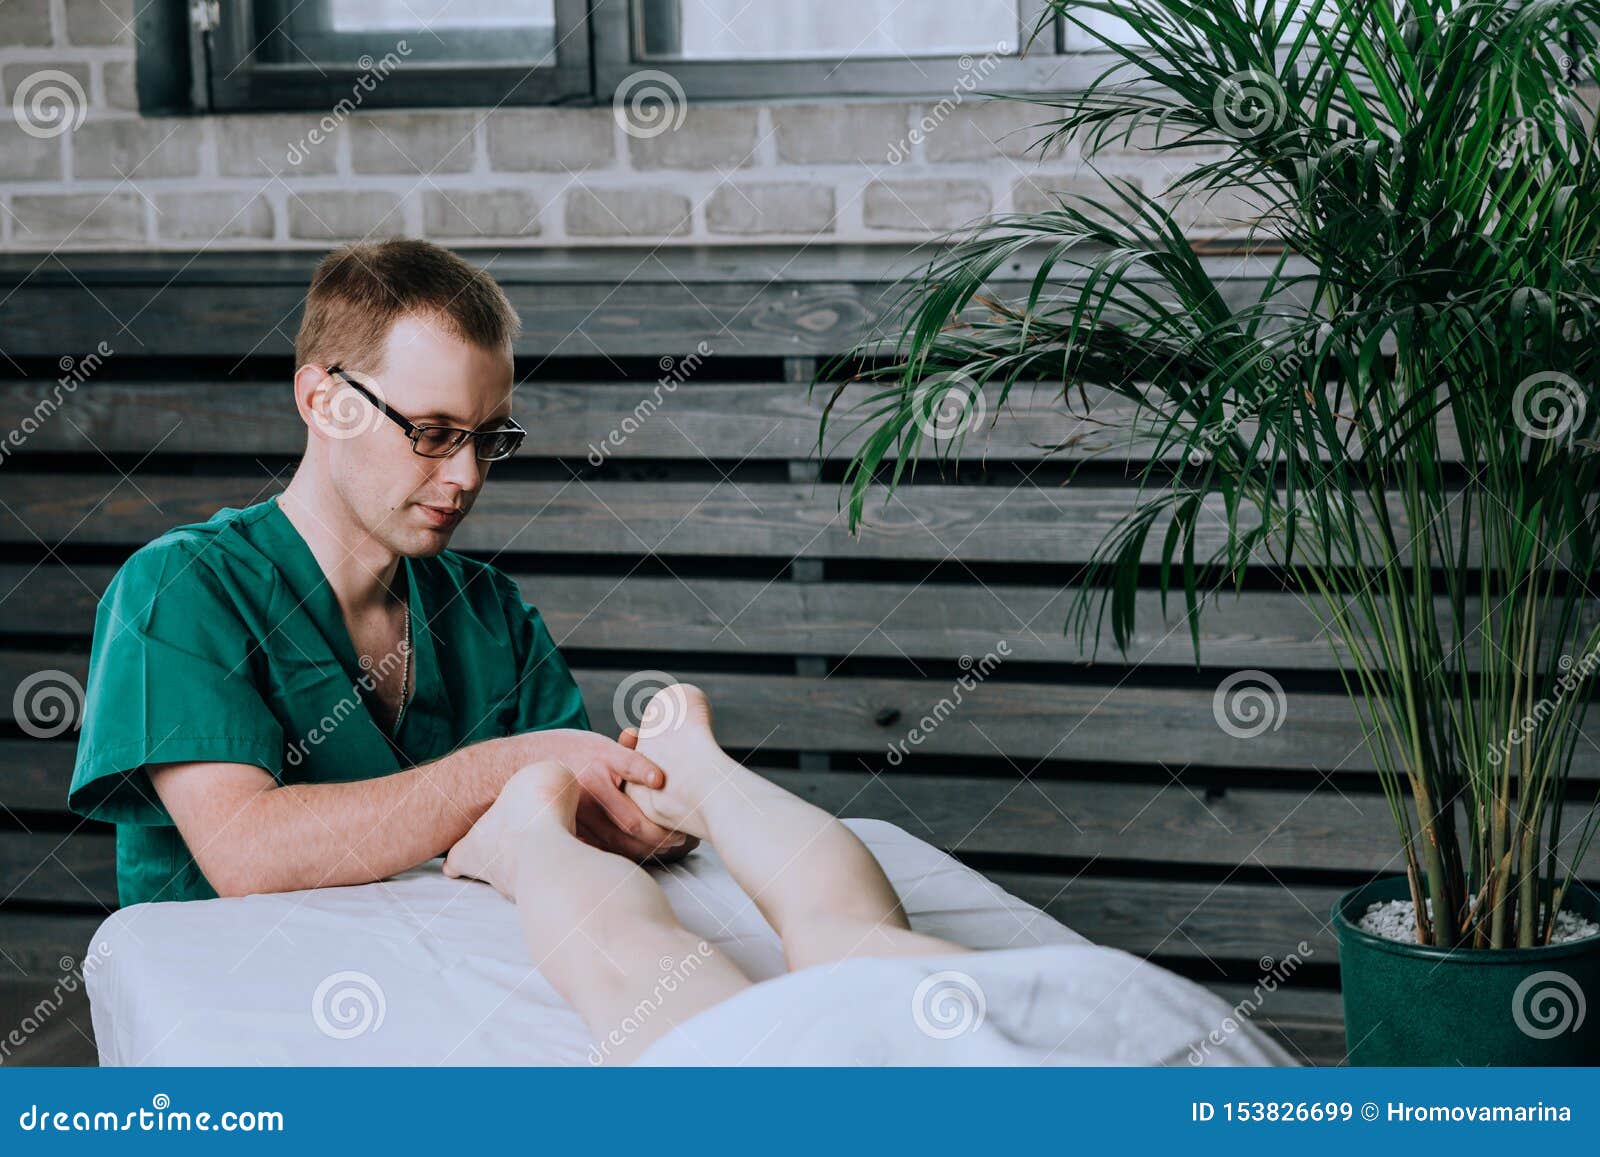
(729,174)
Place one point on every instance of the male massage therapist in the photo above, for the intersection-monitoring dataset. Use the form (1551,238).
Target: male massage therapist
(312,690)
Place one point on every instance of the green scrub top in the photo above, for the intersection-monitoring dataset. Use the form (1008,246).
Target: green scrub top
(222,641)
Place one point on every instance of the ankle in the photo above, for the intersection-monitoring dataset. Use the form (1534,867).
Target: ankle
(725,805)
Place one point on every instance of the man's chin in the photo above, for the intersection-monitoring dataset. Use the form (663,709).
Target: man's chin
(427,543)
(419,541)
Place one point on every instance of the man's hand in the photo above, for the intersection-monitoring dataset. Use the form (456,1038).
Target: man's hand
(607,818)
(630,739)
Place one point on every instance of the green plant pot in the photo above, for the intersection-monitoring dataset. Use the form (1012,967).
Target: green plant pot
(1413,1004)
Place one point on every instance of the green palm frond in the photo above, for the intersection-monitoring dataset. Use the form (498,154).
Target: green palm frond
(1423,183)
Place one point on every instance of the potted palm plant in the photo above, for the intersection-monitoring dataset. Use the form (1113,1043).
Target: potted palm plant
(1400,424)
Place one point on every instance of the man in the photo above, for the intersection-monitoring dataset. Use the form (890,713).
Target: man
(312,690)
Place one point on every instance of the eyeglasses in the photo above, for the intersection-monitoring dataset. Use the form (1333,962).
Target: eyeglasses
(443,441)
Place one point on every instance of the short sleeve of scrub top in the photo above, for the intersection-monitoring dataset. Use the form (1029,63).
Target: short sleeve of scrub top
(164,631)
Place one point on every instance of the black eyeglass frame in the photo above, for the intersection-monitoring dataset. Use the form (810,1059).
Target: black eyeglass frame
(415,431)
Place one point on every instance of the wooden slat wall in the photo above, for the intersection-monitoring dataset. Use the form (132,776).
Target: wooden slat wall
(705,544)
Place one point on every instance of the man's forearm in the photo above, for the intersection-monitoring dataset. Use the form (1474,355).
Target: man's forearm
(313,835)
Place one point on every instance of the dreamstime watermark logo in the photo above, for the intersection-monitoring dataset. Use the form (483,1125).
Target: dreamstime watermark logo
(947,706)
(947,405)
(372,672)
(48,703)
(948,1004)
(1547,1004)
(344,412)
(48,103)
(648,103)
(1279,367)
(1274,973)
(1249,104)
(1248,704)
(1572,677)
(674,371)
(72,977)
(348,1004)
(971,73)
(373,73)
(155,1119)
(74,372)
(673,974)
(636,704)
(1548,405)
(1521,136)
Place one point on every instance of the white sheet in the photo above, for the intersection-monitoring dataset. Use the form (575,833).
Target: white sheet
(1054,1004)
(424,970)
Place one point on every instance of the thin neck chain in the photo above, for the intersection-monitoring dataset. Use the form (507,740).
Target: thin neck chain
(405,677)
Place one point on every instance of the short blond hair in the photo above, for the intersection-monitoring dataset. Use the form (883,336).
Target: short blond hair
(359,291)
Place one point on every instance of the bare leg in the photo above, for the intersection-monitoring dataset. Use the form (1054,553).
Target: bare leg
(814,881)
(597,926)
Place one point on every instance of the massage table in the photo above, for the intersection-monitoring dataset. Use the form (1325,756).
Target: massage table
(421,969)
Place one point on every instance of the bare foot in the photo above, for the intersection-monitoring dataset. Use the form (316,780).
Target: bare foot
(541,796)
(675,734)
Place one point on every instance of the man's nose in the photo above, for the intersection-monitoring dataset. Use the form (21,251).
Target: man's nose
(462,468)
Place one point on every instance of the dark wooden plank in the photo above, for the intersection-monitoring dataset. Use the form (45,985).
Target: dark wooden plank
(666,419)
(926,620)
(1184,919)
(964,621)
(35,774)
(52,1022)
(860,619)
(687,265)
(1170,823)
(1309,1022)
(922,523)
(669,419)
(58,868)
(1277,629)
(904,620)
(1319,1043)
(50,598)
(1092,724)
(1023,722)
(1299,1002)
(39,945)
(788,301)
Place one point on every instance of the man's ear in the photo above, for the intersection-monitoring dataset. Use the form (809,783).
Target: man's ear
(311,384)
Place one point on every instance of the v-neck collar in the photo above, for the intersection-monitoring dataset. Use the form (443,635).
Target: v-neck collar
(310,586)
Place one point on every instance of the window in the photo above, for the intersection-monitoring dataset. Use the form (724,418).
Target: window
(739,30)
(744,48)
(339,31)
(313,54)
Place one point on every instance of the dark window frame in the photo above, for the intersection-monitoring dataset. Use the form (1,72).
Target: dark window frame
(614,23)
(234,80)
(187,65)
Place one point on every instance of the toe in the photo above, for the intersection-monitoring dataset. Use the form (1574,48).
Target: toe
(676,708)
